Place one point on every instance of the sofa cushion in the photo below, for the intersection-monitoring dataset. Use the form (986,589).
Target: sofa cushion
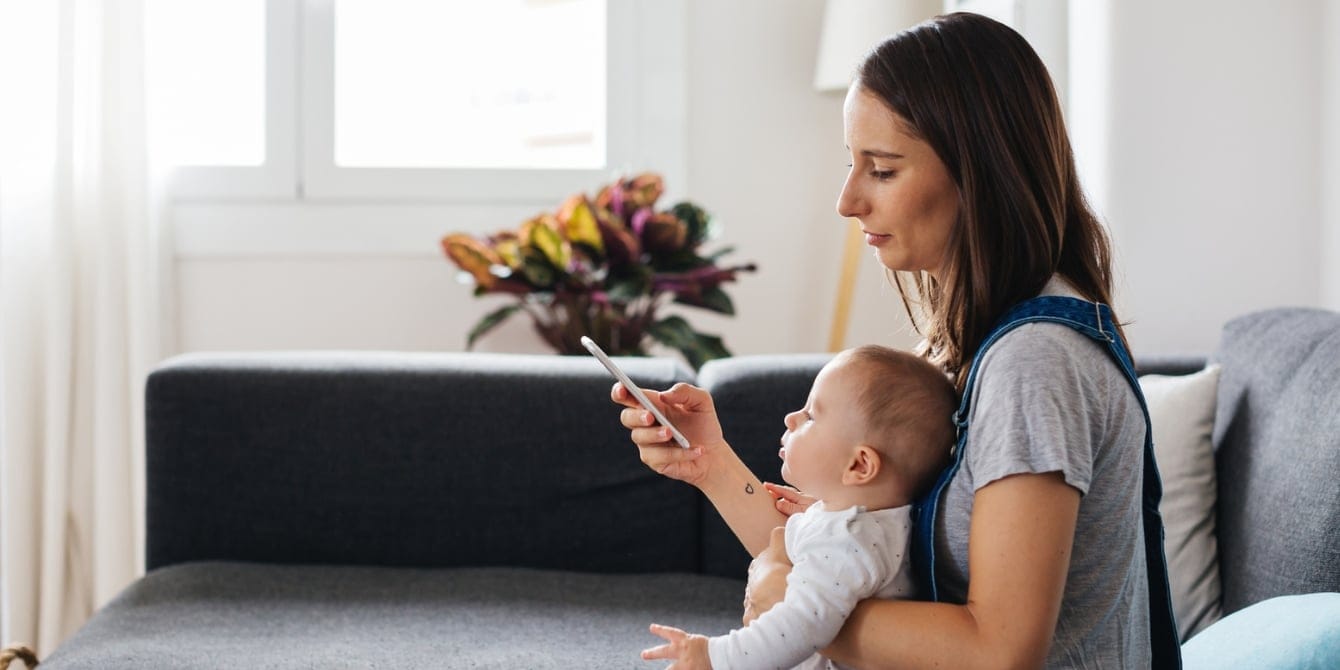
(1181,410)
(1299,632)
(408,459)
(228,615)
(1277,443)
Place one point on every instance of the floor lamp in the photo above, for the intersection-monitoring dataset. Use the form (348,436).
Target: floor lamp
(850,29)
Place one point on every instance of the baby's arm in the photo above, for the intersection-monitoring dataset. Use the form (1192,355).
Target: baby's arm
(830,576)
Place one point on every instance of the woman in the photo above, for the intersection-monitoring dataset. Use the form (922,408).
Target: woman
(963,180)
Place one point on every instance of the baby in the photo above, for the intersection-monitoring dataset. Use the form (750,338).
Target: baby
(875,432)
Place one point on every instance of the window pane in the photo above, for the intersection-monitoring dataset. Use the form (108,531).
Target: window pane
(206,81)
(478,84)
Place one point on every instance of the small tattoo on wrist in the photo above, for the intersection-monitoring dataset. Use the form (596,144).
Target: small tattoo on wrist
(749,488)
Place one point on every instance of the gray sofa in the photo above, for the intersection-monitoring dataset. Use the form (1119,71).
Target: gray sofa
(486,511)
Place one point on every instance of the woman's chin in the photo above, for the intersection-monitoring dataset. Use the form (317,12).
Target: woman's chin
(898,262)
(892,261)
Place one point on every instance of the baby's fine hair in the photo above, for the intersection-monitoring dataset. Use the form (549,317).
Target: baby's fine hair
(908,405)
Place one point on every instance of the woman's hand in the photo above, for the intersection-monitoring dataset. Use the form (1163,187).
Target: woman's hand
(690,409)
(788,500)
(767,577)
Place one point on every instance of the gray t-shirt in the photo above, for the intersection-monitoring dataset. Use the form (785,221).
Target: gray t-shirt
(1050,399)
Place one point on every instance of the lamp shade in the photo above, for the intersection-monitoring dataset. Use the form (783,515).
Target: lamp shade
(852,27)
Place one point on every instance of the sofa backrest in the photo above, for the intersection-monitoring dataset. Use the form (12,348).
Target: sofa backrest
(1277,450)
(407,459)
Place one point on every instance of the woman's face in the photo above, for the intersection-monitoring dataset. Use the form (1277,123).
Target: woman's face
(898,188)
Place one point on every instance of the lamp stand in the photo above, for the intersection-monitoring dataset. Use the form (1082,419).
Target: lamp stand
(851,259)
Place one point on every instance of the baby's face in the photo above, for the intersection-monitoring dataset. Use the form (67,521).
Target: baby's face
(820,437)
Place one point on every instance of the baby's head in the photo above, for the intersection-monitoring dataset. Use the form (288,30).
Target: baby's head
(876,430)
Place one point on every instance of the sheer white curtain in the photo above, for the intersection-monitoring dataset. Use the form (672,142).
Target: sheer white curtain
(81,272)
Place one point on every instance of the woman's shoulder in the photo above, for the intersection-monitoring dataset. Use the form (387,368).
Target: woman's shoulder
(1050,362)
(1040,347)
(1045,399)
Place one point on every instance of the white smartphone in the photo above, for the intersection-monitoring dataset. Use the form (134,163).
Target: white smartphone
(642,399)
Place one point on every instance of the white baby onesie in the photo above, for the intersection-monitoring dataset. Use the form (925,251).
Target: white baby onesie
(839,559)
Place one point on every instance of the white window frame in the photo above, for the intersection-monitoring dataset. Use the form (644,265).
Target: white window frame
(645,115)
(277,176)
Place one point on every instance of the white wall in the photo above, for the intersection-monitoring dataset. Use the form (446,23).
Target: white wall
(1330,158)
(1210,178)
(766,153)
(1213,180)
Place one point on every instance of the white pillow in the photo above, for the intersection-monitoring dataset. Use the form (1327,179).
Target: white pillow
(1181,410)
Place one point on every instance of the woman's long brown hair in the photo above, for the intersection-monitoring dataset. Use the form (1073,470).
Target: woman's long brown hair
(977,93)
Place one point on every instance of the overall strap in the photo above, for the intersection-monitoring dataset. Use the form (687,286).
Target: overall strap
(1095,321)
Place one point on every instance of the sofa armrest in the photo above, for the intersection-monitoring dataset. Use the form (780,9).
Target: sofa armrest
(407,459)
(1170,364)
(1277,451)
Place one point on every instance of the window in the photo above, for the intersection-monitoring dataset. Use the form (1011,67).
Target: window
(220,79)
(468,101)
(207,71)
(501,84)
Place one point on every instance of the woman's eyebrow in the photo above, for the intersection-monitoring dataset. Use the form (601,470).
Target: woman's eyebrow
(876,153)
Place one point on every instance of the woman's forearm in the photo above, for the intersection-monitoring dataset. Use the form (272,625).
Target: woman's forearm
(1019,554)
(920,635)
(740,498)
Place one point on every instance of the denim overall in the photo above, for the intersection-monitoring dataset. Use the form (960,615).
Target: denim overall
(1095,321)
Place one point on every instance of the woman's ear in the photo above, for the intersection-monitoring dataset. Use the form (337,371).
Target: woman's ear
(863,467)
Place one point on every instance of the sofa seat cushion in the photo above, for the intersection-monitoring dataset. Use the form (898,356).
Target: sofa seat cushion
(228,615)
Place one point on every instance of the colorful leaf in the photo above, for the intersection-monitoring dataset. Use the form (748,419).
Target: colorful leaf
(610,199)
(489,322)
(683,260)
(695,220)
(697,348)
(629,286)
(663,233)
(542,233)
(473,256)
(711,298)
(644,190)
(621,246)
(537,269)
(579,224)
(508,247)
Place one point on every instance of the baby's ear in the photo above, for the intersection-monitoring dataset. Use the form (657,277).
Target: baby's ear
(863,467)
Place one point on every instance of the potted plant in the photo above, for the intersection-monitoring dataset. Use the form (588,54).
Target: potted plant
(604,267)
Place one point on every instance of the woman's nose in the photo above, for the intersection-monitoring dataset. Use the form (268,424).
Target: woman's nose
(849,204)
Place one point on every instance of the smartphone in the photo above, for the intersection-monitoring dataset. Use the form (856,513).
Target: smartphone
(642,399)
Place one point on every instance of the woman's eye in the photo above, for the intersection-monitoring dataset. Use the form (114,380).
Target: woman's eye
(881,175)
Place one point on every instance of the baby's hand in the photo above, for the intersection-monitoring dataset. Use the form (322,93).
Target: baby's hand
(788,500)
(688,651)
